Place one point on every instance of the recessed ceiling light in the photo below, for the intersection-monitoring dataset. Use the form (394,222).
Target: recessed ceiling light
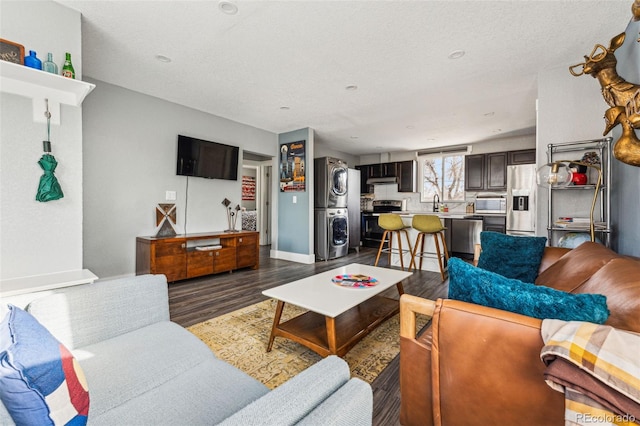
(351,87)
(163,58)
(228,7)
(285,108)
(456,54)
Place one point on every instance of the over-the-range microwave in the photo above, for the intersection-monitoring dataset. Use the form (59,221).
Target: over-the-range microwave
(496,205)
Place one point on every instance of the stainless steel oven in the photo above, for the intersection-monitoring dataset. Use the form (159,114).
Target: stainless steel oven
(371,232)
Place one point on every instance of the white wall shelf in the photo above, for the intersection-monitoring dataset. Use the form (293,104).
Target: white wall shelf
(16,286)
(39,85)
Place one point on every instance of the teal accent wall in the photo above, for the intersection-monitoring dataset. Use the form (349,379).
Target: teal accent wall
(295,219)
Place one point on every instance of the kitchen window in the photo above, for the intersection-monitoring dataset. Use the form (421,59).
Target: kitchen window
(441,175)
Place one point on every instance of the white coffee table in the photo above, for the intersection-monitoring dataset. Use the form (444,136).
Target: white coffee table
(338,317)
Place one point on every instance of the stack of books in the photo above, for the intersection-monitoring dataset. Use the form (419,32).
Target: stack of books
(581,223)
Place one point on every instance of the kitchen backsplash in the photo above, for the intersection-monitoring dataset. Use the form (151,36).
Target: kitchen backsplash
(390,192)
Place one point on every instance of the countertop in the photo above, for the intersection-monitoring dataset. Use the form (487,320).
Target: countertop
(441,215)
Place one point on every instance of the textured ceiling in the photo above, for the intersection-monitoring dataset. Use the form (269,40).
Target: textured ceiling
(303,54)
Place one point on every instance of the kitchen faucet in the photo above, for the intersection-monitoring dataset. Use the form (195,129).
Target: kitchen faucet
(436,201)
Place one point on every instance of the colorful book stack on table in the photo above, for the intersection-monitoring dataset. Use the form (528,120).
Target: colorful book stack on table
(355,280)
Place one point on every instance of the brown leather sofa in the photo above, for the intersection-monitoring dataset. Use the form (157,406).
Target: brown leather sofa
(475,365)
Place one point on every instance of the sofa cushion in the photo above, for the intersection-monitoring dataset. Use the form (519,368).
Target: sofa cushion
(130,375)
(618,281)
(40,380)
(475,285)
(81,315)
(511,256)
(575,267)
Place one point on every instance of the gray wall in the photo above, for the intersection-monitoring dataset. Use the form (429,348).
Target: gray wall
(295,219)
(625,200)
(40,238)
(130,143)
(505,143)
(572,109)
(324,151)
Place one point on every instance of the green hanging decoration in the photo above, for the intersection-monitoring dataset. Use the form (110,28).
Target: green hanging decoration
(49,188)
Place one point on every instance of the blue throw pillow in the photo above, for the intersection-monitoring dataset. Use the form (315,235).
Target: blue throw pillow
(511,256)
(475,285)
(41,383)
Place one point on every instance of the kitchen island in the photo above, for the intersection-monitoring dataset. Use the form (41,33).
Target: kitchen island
(461,234)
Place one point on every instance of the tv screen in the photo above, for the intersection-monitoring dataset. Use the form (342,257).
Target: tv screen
(211,160)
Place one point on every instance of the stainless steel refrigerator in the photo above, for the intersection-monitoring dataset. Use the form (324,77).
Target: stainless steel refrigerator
(353,207)
(521,199)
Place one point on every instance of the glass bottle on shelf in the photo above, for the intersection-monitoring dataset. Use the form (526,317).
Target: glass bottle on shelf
(49,65)
(32,60)
(67,68)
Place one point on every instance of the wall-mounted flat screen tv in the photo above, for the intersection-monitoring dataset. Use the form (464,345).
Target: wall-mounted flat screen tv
(211,160)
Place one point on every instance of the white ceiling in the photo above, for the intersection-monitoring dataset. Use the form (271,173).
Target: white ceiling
(303,54)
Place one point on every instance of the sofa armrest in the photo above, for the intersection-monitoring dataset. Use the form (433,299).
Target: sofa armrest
(409,307)
(551,256)
(85,314)
(486,368)
(415,363)
(351,405)
(300,396)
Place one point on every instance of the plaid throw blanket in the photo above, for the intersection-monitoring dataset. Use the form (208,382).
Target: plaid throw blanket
(597,367)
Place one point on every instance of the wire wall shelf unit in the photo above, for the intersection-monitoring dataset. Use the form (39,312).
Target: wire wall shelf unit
(569,206)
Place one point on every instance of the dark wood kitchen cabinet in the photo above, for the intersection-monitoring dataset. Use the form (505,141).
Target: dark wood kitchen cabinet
(496,177)
(522,156)
(383,170)
(406,173)
(486,172)
(474,172)
(364,188)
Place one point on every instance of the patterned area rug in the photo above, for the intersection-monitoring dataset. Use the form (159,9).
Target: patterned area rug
(240,338)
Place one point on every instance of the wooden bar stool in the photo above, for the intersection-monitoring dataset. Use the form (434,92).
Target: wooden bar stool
(429,224)
(392,224)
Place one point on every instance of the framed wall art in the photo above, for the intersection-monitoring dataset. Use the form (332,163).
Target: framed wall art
(11,52)
(292,166)
(248,188)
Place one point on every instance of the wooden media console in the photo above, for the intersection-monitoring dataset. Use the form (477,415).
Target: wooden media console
(193,255)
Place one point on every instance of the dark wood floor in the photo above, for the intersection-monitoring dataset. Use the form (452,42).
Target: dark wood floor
(196,300)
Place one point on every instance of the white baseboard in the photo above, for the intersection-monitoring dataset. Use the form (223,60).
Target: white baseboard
(293,257)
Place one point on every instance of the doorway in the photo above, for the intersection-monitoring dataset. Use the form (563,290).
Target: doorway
(256,194)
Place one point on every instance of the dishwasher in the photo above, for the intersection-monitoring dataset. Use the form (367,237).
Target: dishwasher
(465,234)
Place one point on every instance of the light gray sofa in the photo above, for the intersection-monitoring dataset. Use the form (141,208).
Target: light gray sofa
(141,368)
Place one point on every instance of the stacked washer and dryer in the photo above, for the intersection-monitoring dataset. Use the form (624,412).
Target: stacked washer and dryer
(330,213)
